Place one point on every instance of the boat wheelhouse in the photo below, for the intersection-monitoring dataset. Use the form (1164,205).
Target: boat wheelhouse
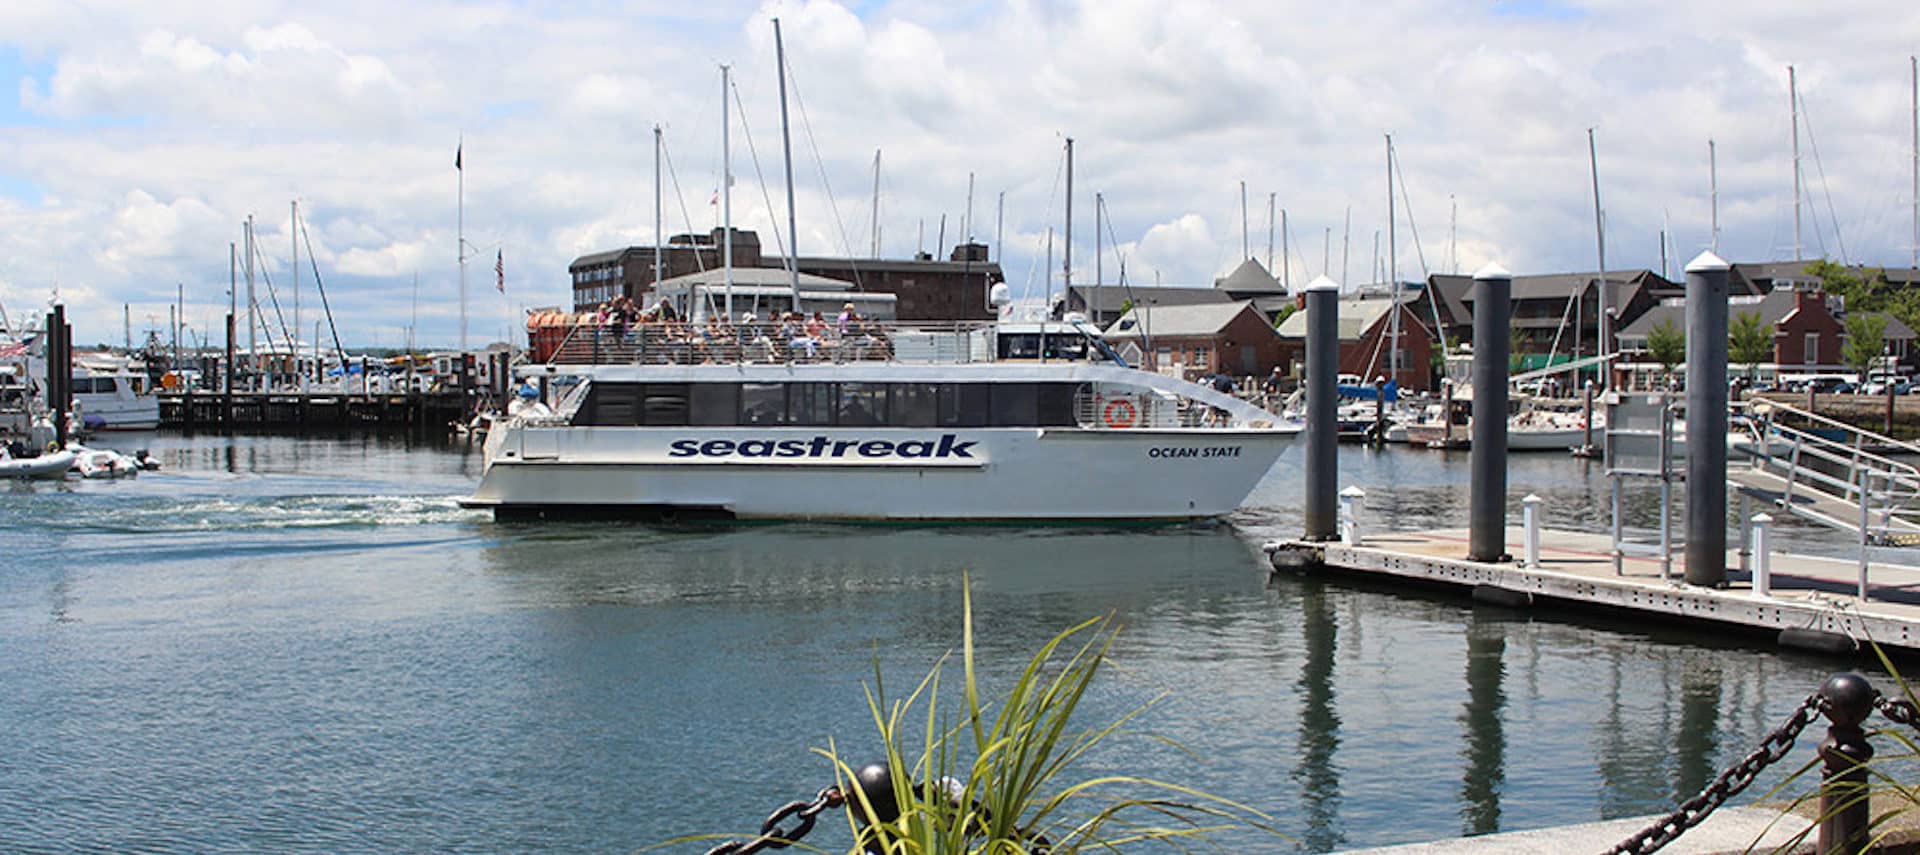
(904,421)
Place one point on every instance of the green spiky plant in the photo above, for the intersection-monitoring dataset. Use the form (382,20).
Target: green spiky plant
(998,770)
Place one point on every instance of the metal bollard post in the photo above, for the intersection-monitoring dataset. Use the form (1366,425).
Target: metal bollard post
(1487,488)
(1323,361)
(1763,557)
(1351,500)
(1530,520)
(1844,755)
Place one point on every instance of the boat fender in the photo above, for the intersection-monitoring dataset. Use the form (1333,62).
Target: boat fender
(1818,641)
(1497,596)
(53,447)
(1120,413)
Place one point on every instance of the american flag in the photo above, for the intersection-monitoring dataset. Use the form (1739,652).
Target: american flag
(500,270)
(18,348)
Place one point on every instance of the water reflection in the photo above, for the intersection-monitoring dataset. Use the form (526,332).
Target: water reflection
(1319,736)
(1486,740)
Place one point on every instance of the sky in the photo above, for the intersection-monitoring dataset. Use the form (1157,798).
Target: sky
(136,138)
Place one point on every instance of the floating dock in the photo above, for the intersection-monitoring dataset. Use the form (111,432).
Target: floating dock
(313,411)
(1811,604)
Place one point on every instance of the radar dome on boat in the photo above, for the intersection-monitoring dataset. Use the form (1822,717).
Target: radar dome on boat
(999,294)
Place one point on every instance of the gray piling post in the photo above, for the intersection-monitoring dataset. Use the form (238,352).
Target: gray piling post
(1323,366)
(1707,421)
(1492,307)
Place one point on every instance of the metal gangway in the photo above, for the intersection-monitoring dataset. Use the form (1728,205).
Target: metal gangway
(1829,472)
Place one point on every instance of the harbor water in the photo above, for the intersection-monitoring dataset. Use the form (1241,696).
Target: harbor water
(303,644)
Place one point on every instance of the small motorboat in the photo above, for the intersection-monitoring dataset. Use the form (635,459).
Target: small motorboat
(102,463)
(51,466)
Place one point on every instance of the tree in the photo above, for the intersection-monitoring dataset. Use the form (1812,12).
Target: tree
(1667,345)
(1749,341)
(1516,349)
(1866,340)
(1285,312)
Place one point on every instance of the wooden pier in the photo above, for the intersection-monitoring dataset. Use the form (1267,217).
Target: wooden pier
(1811,605)
(313,411)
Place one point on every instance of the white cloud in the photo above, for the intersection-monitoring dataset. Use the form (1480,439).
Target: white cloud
(145,136)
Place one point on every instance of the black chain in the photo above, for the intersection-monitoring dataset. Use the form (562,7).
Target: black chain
(1898,710)
(1736,778)
(772,836)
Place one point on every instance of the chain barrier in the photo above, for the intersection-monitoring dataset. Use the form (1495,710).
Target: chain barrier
(1736,778)
(1898,710)
(772,836)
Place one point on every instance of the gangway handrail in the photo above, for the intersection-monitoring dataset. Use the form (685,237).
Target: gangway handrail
(1759,408)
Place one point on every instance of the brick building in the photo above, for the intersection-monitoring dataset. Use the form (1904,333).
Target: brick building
(1196,340)
(926,289)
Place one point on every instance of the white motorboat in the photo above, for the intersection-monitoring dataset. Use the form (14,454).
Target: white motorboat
(919,422)
(98,463)
(109,394)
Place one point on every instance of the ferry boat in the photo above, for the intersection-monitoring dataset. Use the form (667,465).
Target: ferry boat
(899,421)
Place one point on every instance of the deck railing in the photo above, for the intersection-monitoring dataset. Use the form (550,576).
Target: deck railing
(675,343)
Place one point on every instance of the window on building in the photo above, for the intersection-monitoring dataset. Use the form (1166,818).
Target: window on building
(1812,344)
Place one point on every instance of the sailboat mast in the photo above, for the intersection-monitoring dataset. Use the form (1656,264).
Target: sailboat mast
(876,203)
(1393,275)
(786,149)
(1713,197)
(1346,245)
(460,235)
(1066,247)
(1245,251)
(1793,98)
(658,223)
(1273,201)
(1099,220)
(1604,346)
(293,229)
(1286,252)
(726,187)
(1914,64)
(253,353)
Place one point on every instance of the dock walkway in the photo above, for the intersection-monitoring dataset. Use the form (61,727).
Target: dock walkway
(1812,602)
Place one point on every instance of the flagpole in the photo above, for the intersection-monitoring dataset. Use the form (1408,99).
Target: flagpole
(461,236)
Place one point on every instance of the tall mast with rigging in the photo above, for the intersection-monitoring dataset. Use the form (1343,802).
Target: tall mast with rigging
(1793,99)
(1604,346)
(1393,276)
(726,182)
(786,150)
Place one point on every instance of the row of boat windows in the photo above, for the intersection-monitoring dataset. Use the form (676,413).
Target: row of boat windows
(86,385)
(829,404)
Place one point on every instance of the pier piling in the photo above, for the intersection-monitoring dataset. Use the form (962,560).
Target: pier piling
(1323,366)
(1707,421)
(1492,292)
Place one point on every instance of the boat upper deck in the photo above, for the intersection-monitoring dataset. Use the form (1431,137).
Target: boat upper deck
(571,341)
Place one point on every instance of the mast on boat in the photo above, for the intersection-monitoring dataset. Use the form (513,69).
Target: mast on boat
(1713,197)
(1605,345)
(1914,64)
(460,226)
(1793,98)
(1066,263)
(786,149)
(1393,276)
(658,224)
(726,182)
(876,203)
(293,225)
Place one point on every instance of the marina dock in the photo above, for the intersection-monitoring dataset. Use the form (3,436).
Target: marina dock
(313,411)
(1810,604)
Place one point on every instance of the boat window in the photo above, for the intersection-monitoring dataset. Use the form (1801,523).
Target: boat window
(664,404)
(1015,404)
(763,403)
(810,404)
(862,405)
(714,404)
(971,405)
(610,404)
(1056,405)
(917,404)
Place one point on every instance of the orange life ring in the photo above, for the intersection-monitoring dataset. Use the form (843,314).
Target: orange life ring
(1119,413)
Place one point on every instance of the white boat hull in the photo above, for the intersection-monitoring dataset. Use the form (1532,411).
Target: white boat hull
(51,466)
(907,474)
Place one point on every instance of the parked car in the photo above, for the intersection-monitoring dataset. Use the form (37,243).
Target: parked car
(1901,386)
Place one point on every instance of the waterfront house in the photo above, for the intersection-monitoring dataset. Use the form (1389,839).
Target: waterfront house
(1195,340)
(1365,328)
(1807,333)
(1550,312)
